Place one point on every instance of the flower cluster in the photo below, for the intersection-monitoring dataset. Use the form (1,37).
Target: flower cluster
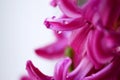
(88,36)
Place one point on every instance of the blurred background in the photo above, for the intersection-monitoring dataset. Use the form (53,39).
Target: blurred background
(22,31)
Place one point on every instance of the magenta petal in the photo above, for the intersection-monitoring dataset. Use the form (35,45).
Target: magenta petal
(52,51)
(111,11)
(61,69)
(78,43)
(100,47)
(64,24)
(90,9)
(34,73)
(69,8)
(81,70)
(110,72)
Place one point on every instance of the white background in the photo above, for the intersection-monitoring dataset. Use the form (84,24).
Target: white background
(22,31)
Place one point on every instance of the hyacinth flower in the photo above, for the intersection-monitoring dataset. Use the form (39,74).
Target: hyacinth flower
(92,32)
(89,15)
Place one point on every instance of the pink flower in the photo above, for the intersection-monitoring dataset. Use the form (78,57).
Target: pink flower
(90,15)
(91,34)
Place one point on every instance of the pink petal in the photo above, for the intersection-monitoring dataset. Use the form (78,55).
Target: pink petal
(110,72)
(90,9)
(53,50)
(34,73)
(70,8)
(100,46)
(64,24)
(81,70)
(61,69)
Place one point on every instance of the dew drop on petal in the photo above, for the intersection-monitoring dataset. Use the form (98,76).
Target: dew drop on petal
(53,17)
(65,22)
(47,24)
(59,32)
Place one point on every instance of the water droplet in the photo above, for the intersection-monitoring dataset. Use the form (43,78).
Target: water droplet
(47,24)
(59,32)
(53,17)
(65,22)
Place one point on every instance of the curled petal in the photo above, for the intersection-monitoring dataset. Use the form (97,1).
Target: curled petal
(95,50)
(110,72)
(70,8)
(81,70)
(61,69)
(55,49)
(64,24)
(52,51)
(34,73)
(101,46)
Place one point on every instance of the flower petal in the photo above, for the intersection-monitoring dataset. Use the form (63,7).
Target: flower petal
(81,70)
(90,9)
(110,72)
(53,50)
(103,45)
(61,69)
(110,12)
(64,24)
(70,8)
(34,73)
